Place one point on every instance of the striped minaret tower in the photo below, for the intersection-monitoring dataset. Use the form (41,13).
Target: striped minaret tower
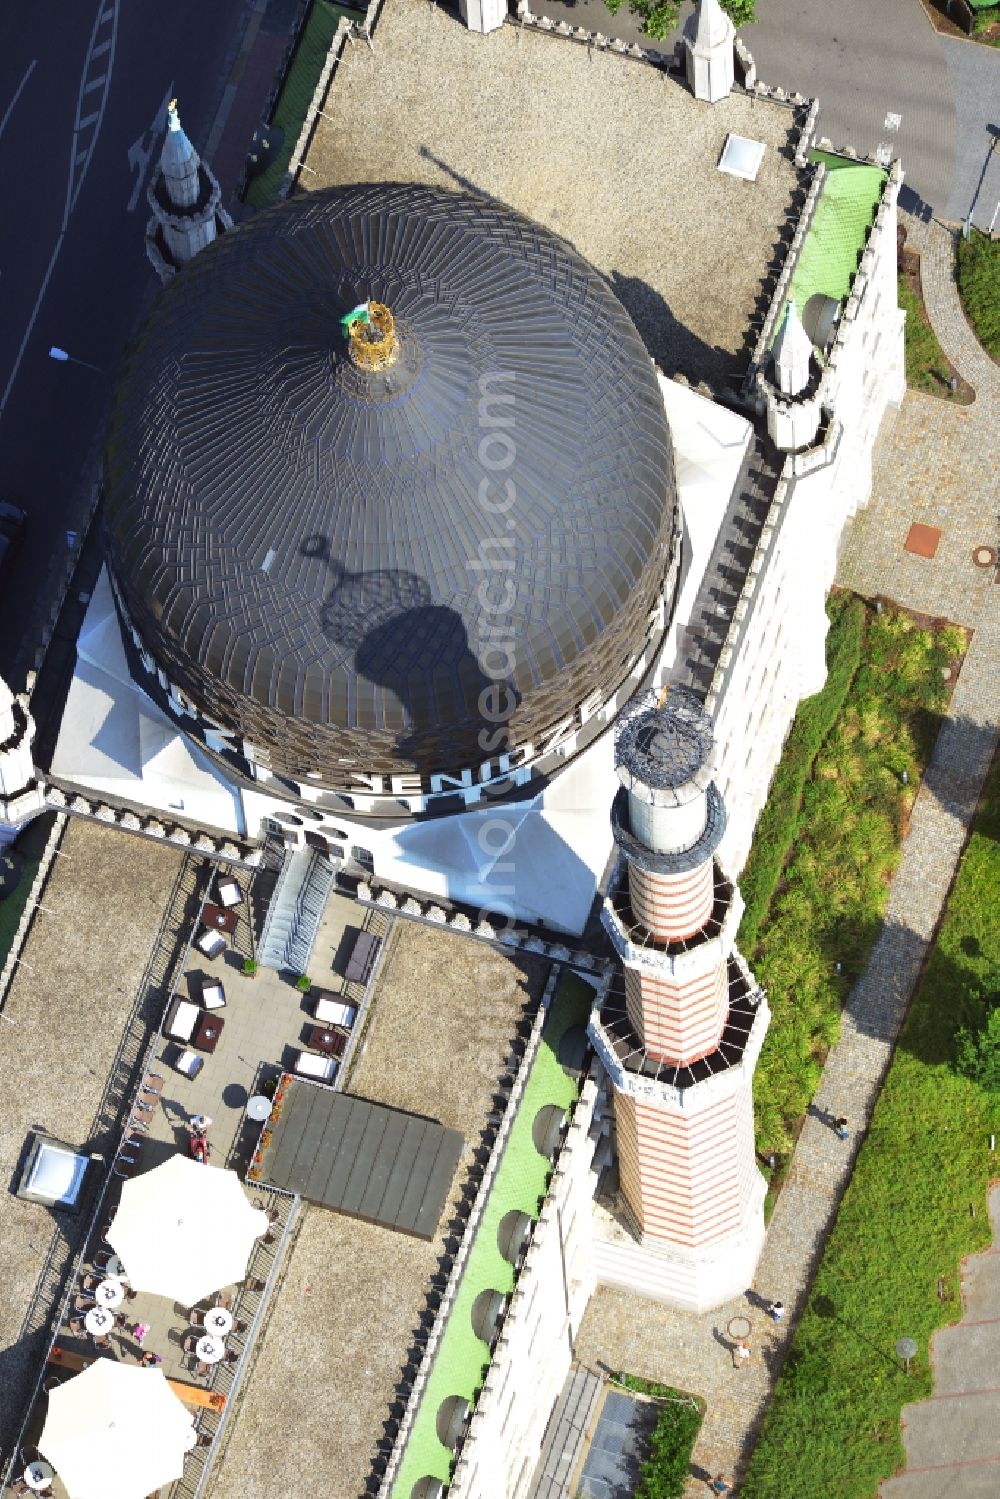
(186,201)
(680,1033)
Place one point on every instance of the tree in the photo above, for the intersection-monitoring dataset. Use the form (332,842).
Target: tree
(977,1052)
(659,17)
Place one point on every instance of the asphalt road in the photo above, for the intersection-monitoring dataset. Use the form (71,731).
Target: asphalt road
(83,93)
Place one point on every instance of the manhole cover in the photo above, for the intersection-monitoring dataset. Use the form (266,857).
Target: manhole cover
(738,1327)
(984,556)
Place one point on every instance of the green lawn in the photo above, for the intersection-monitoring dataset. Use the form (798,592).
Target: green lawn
(927,367)
(14,904)
(828,841)
(833,1426)
(979,287)
(296,94)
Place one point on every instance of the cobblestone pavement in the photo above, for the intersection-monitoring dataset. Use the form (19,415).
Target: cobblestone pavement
(952,1439)
(937,465)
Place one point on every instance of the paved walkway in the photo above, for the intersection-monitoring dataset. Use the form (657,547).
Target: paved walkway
(938,467)
(952,1440)
(937,464)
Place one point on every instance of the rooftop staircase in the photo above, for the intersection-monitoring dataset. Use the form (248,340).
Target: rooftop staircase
(296,910)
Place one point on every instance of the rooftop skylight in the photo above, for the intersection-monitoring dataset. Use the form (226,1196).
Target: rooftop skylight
(741,157)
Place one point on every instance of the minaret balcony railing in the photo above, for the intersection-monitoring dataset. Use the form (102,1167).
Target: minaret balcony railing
(636,945)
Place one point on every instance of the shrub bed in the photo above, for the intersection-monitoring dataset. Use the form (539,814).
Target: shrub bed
(665,1471)
(823,857)
(979,287)
(905,1221)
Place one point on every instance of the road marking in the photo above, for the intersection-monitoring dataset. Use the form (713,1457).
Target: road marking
(10,107)
(85,124)
(80,163)
(892,121)
(73,185)
(94,83)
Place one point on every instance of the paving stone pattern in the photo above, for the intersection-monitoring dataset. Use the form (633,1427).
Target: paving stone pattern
(952,1440)
(937,466)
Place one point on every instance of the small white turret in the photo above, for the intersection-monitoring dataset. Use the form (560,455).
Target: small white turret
(186,201)
(709,52)
(179,163)
(792,353)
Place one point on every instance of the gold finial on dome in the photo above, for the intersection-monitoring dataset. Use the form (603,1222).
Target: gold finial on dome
(371,339)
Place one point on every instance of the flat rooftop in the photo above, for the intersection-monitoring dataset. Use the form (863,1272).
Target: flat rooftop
(65,1042)
(611,153)
(356,1297)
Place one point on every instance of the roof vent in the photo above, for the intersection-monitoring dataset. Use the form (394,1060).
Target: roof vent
(741,157)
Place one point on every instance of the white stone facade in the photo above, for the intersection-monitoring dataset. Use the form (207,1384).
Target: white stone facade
(775,653)
(555,1284)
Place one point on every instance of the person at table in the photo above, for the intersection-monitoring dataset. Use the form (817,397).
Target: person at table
(150,1359)
(199,1149)
(199,1124)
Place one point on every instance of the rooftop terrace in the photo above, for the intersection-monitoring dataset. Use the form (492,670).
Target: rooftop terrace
(612,153)
(343,1337)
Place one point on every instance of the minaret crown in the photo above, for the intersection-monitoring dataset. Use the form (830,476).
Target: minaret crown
(179,163)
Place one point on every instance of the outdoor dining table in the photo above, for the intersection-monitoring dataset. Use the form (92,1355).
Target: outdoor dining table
(39,1475)
(219,1321)
(110,1292)
(210,1350)
(114,1269)
(98,1321)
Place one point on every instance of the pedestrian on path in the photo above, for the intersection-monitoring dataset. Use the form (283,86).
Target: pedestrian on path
(775,1310)
(741,1353)
(840,1125)
(718,1485)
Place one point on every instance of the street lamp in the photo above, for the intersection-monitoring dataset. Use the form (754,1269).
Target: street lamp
(64,358)
(907,1349)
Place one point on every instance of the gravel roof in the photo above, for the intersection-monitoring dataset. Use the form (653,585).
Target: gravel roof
(611,153)
(68,1004)
(328,1366)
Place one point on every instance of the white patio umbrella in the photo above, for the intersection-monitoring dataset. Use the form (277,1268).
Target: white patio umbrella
(115,1432)
(184,1230)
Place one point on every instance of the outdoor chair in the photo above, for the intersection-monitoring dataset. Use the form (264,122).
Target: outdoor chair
(230,894)
(182,1020)
(197,1318)
(76,1327)
(210,943)
(88,1282)
(329,1011)
(83,1303)
(101,1342)
(19,1487)
(190,1063)
(152,1085)
(232,1356)
(253,1284)
(310,1064)
(51,1382)
(213,996)
(202,1370)
(142,1108)
(124,1166)
(225,1300)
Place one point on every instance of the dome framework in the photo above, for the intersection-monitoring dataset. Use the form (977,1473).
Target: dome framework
(404,568)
